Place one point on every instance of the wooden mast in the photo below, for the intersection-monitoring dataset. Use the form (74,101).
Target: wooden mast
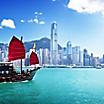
(21,59)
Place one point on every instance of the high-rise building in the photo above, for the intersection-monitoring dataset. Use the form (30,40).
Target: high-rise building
(40,56)
(96,61)
(59,58)
(53,44)
(64,56)
(46,56)
(92,60)
(103,59)
(81,55)
(69,53)
(0,54)
(27,60)
(86,58)
(76,55)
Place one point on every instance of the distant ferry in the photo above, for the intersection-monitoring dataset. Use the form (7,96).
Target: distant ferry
(17,51)
(98,67)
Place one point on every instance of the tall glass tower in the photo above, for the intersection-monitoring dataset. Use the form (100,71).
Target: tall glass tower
(69,53)
(54,44)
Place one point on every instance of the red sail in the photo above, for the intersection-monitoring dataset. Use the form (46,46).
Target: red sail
(16,49)
(34,58)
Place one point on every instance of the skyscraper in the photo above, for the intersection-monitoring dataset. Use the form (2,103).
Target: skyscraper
(86,58)
(103,58)
(45,56)
(64,56)
(40,56)
(76,55)
(69,53)
(54,44)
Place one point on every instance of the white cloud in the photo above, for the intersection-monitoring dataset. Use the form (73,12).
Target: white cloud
(22,21)
(8,23)
(87,6)
(36,20)
(36,12)
(42,22)
(40,13)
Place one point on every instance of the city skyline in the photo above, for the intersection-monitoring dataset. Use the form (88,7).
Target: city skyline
(32,20)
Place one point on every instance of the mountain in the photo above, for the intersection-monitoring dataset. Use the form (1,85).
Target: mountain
(42,43)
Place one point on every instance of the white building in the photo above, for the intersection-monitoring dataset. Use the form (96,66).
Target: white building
(76,55)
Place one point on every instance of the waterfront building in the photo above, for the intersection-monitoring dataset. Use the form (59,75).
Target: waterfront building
(3,52)
(64,56)
(96,61)
(6,55)
(81,58)
(53,44)
(27,60)
(46,56)
(92,60)
(59,58)
(40,56)
(86,58)
(0,55)
(103,59)
(69,53)
(76,55)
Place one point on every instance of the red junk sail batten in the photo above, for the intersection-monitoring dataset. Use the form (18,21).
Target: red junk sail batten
(34,58)
(16,49)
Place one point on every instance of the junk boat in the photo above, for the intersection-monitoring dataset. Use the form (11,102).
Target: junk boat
(16,51)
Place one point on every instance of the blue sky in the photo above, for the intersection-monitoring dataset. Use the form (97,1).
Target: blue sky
(78,21)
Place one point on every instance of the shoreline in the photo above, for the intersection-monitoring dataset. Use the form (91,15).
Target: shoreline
(63,66)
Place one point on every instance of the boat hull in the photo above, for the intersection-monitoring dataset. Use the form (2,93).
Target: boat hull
(32,73)
(20,77)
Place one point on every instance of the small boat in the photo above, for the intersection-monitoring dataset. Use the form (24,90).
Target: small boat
(16,51)
(98,67)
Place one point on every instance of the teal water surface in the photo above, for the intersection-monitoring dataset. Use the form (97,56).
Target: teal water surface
(57,86)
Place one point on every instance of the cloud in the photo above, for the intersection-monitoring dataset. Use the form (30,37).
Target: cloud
(38,13)
(87,6)
(22,21)
(8,23)
(36,20)
(42,22)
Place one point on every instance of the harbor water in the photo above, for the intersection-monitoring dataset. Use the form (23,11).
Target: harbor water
(57,86)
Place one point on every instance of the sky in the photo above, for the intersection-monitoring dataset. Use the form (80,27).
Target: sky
(79,21)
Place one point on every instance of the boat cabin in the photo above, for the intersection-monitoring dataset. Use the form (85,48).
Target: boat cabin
(6,69)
